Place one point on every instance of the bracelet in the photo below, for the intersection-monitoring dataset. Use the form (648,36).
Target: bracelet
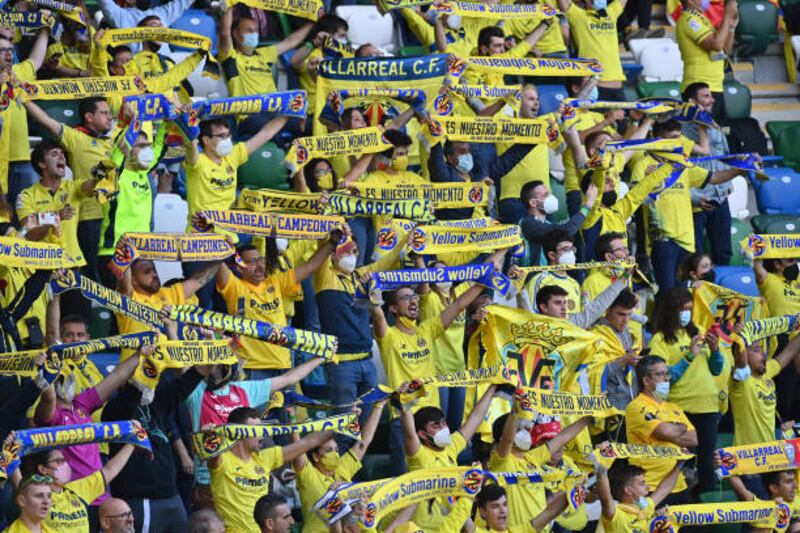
(585,210)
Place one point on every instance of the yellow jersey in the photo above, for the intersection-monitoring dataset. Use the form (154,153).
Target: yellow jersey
(448,348)
(753,402)
(552,42)
(430,515)
(237,485)
(408,356)
(782,296)
(596,37)
(565,281)
(313,484)
(307,83)
(210,185)
(525,500)
(38,201)
(17,125)
(628,518)
(85,151)
(68,512)
(265,302)
(250,74)
(19,527)
(696,391)
(699,64)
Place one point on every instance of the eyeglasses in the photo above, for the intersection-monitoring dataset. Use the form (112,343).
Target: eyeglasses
(123,516)
(408,298)
(565,250)
(322,172)
(6,50)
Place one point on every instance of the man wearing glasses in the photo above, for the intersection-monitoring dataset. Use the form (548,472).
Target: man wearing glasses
(559,249)
(116,516)
(651,419)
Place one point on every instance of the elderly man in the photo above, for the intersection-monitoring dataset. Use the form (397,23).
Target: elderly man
(116,516)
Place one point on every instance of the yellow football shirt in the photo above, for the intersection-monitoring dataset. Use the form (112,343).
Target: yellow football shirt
(628,518)
(448,348)
(699,64)
(307,83)
(38,200)
(172,295)
(696,391)
(566,282)
(782,296)
(19,527)
(210,185)
(753,402)
(313,484)
(68,512)
(552,42)
(237,485)
(261,302)
(642,416)
(596,37)
(409,356)
(85,152)
(19,146)
(250,74)
(525,500)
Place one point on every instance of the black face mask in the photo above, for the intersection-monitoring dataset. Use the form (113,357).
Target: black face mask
(709,276)
(609,198)
(790,273)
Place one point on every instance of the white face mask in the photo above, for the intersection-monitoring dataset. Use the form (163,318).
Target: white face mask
(662,390)
(146,157)
(550,204)
(347,264)
(465,163)
(66,390)
(567,258)
(224,147)
(685,317)
(442,438)
(250,40)
(622,190)
(454,22)
(522,440)
(445,285)
(282,244)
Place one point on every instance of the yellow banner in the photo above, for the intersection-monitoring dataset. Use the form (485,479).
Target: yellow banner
(19,253)
(611,451)
(80,88)
(436,239)
(550,402)
(760,457)
(492,130)
(269,200)
(171,36)
(349,142)
(775,246)
(519,274)
(22,364)
(171,247)
(307,9)
(440,195)
(354,206)
(497,11)
(182,354)
(285,225)
(535,66)
(766,514)
(717,305)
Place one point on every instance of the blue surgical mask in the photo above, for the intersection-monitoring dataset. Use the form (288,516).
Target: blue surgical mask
(685,317)
(594,94)
(662,390)
(465,163)
(642,502)
(600,4)
(250,40)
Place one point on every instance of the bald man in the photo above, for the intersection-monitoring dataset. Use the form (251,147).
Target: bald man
(205,521)
(116,516)
(33,500)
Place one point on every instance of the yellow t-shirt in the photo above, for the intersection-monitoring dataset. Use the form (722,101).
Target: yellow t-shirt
(261,302)
(596,37)
(85,152)
(210,185)
(172,295)
(409,356)
(251,74)
(39,200)
(699,64)
(642,416)
(534,166)
(696,391)
(19,527)
(552,42)
(753,402)
(582,121)
(566,282)
(237,485)
(525,500)
(307,83)
(524,528)
(17,125)
(628,518)
(430,515)
(448,348)
(73,56)
(313,484)
(68,512)
(783,297)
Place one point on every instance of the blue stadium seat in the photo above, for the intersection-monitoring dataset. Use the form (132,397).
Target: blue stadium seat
(739,278)
(196,21)
(292,82)
(550,97)
(779,196)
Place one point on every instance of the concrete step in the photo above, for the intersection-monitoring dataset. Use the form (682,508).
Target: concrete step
(774,90)
(776,109)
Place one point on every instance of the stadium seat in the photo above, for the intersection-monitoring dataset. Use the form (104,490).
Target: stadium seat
(738,278)
(738,99)
(196,21)
(739,230)
(724,439)
(170,215)
(632,72)
(558,190)
(637,46)
(367,25)
(758,27)
(550,97)
(291,76)
(204,86)
(100,322)
(264,169)
(776,224)
(661,62)
(774,127)
(65,111)
(659,89)
(412,51)
(786,145)
(779,196)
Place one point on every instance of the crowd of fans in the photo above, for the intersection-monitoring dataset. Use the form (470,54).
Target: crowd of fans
(676,385)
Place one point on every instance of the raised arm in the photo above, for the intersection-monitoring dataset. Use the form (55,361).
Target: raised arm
(554,507)
(563,5)
(225,39)
(115,465)
(721,176)
(309,442)
(117,378)
(379,324)
(295,375)
(39,49)
(538,32)
(315,261)
(790,353)
(441,38)
(53,126)
(410,438)
(506,443)
(567,434)
(46,408)
(200,278)
(607,503)
(718,39)
(459,304)
(359,449)
(358,170)
(475,418)
(294,39)
(667,484)
(640,133)
(266,133)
